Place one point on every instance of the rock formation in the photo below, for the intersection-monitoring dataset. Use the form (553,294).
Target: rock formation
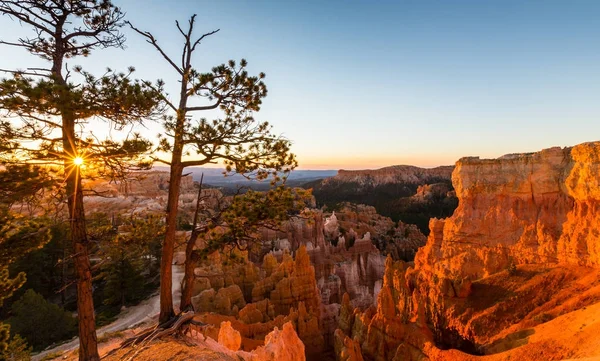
(145,192)
(287,292)
(280,344)
(519,209)
(410,194)
(523,239)
(229,337)
(393,174)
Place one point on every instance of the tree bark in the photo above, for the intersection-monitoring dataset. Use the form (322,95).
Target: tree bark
(166,277)
(176,171)
(188,277)
(88,344)
(191,260)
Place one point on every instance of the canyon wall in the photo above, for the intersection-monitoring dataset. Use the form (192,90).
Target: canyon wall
(520,249)
(393,174)
(410,194)
(521,208)
(144,192)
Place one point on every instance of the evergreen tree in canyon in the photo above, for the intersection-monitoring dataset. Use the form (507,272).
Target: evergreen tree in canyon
(230,95)
(237,223)
(48,111)
(18,236)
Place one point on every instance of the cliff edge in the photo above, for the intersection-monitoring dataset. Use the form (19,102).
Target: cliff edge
(512,274)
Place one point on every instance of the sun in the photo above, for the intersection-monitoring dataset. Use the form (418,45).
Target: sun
(78,161)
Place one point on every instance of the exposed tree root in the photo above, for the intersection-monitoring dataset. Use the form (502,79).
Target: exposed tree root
(139,342)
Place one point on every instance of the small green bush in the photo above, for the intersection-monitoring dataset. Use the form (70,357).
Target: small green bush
(17,350)
(40,322)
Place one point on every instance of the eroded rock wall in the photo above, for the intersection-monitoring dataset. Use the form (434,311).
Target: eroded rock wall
(523,218)
(523,208)
(393,174)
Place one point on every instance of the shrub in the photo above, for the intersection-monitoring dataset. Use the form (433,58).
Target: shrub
(40,322)
(543,317)
(17,350)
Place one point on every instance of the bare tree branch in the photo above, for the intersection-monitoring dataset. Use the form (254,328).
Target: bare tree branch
(151,40)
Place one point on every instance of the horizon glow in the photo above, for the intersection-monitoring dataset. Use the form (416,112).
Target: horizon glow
(360,85)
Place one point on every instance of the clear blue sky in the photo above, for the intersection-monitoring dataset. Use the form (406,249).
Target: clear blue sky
(370,84)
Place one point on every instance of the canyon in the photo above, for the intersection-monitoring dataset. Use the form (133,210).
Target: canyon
(512,274)
(404,193)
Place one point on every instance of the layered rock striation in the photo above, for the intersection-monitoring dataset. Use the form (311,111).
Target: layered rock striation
(519,209)
(394,174)
(521,249)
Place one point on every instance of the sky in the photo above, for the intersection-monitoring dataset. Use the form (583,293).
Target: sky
(367,84)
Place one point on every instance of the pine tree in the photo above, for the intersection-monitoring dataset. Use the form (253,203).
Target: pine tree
(18,236)
(40,322)
(48,111)
(17,350)
(7,287)
(238,224)
(130,260)
(243,144)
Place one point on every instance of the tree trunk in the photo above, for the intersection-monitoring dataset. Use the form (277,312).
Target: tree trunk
(191,260)
(188,277)
(166,262)
(176,171)
(88,348)
(88,345)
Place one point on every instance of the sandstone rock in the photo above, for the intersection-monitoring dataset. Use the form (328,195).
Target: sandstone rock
(200,284)
(393,174)
(346,349)
(251,314)
(229,337)
(226,301)
(539,208)
(309,331)
(346,319)
(519,209)
(204,301)
(269,264)
(300,286)
(281,345)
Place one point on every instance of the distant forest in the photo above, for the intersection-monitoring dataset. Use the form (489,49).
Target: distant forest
(392,200)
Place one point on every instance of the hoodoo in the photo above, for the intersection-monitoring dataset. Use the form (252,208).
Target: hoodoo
(517,261)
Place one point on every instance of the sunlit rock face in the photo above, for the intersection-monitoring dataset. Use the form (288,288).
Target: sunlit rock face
(518,209)
(537,211)
(146,184)
(229,337)
(282,292)
(393,174)
(347,249)
(280,345)
(145,192)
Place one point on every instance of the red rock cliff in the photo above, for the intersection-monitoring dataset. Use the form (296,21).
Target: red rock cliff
(522,248)
(523,208)
(393,174)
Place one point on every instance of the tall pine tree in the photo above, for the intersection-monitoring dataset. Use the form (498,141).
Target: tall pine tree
(18,236)
(244,144)
(48,110)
